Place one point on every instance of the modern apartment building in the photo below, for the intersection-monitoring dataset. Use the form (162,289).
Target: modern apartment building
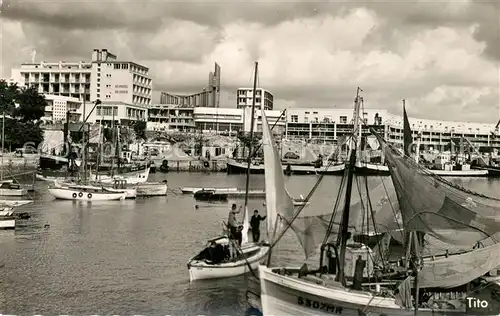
(208,97)
(165,117)
(121,112)
(104,77)
(262,98)
(327,125)
(57,107)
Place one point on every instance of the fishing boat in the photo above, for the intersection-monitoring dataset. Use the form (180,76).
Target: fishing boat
(250,253)
(238,167)
(117,187)
(351,282)
(131,178)
(85,193)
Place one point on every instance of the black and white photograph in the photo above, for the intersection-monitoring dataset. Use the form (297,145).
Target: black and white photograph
(249,158)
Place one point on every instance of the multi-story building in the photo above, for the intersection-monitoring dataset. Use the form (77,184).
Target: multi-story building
(104,77)
(120,112)
(68,79)
(227,120)
(122,81)
(167,117)
(57,108)
(208,97)
(328,125)
(262,98)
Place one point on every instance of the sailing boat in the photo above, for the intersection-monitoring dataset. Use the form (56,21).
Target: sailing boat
(84,192)
(277,201)
(429,205)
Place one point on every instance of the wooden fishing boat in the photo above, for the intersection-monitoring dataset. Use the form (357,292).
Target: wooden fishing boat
(209,195)
(201,266)
(9,188)
(146,189)
(347,285)
(192,190)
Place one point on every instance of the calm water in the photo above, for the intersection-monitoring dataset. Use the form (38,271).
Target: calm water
(130,257)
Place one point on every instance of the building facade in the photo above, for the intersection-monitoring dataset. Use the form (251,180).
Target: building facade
(120,112)
(167,117)
(327,125)
(104,77)
(262,98)
(57,108)
(208,97)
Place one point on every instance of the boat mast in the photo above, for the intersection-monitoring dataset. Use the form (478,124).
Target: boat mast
(350,176)
(84,158)
(252,122)
(113,137)
(3,143)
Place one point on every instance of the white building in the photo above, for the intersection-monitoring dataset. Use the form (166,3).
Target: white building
(227,120)
(124,113)
(104,77)
(119,81)
(168,117)
(56,78)
(57,107)
(330,124)
(262,97)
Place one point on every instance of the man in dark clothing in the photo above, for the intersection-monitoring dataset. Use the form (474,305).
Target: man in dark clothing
(255,225)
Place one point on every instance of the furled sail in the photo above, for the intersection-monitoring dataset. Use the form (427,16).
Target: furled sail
(278,201)
(460,269)
(432,205)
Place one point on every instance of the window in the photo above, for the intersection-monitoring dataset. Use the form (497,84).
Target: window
(117,66)
(306,119)
(295,118)
(98,79)
(124,66)
(98,90)
(108,75)
(307,112)
(98,74)
(98,85)
(315,112)
(343,120)
(98,95)
(108,86)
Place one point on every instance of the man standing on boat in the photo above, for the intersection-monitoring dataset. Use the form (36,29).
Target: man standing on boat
(255,224)
(233,225)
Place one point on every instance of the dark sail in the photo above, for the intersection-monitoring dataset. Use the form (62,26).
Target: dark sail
(407,137)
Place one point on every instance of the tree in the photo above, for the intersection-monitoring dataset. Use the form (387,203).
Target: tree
(140,129)
(23,108)
(31,105)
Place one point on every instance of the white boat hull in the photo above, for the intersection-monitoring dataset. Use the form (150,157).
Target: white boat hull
(135,177)
(14,203)
(460,173)
(288,295)
(240,167)
(7,223)
(199,270)
(85,194)
(191,190)
(131,193)
(152,189)
(13,192)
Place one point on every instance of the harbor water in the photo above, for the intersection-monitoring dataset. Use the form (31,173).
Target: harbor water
(129,257)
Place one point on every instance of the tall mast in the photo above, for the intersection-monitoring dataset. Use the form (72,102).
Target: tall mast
(251,136)
(84,158)
(3,143)
(114,140)
(350,174)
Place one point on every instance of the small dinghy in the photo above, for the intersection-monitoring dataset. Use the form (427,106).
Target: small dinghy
(210,195)
(213,261)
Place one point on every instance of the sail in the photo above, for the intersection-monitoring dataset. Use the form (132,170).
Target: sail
(407,137)
(278,201)
(432,205)
(246,226)
(460,269)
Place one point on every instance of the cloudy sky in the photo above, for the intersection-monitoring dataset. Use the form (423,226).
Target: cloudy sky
(443,57)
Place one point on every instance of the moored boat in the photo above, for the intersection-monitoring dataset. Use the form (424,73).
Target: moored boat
(152,189)
(85,193)
(9,188)
(209,195)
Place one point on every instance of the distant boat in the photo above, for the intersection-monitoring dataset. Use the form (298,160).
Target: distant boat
(9,188)
(238,167)
(209,195)
(131,193)
(192,190)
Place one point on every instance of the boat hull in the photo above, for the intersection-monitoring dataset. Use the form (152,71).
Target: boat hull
(201,271)
(131,193)
(460,173)
(285,295)
(7,223)
(152,189)
(235,167)
(85,195)
(371,169)
(191,190)
(13,192)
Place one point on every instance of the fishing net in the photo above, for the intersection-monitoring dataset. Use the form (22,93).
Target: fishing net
(432,205)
